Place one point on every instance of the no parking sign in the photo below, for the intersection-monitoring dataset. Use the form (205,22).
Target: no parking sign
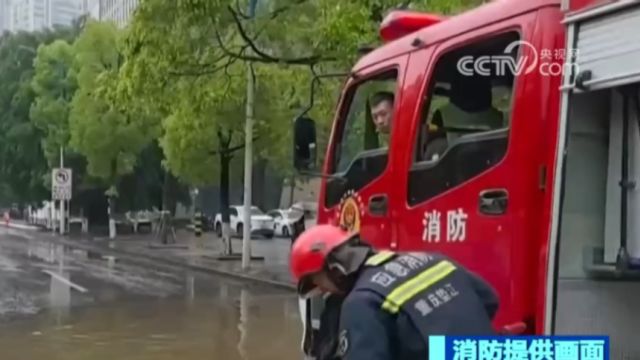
(61,184)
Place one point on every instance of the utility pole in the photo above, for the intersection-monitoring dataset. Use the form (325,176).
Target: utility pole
(62,213)
(248,157)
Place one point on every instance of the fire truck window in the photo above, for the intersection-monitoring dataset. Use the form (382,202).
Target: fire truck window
(359,132)
(465,119)
(363,134)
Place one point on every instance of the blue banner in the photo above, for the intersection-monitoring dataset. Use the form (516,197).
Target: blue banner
(519,348)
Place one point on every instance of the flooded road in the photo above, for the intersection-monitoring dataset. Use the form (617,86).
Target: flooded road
(60,303)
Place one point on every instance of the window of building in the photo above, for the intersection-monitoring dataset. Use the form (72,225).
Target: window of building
(465,118)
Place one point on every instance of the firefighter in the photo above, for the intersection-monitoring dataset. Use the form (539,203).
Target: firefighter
(392,301)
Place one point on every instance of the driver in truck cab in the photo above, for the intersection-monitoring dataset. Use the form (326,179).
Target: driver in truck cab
(382,111)
(390,303)
(469,110)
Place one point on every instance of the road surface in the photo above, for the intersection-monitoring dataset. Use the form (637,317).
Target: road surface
(63,303)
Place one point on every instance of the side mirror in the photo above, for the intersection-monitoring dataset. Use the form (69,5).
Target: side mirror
(304,144)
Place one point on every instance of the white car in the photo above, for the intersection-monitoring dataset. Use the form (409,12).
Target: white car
(283,221)
(261,223)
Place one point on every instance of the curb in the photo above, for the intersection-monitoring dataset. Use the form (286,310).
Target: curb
(210,270)
(137,257)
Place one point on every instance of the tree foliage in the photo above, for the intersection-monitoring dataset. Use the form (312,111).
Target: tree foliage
(109,138)
(23,167)
(185,65)
(53,85)
(171,87)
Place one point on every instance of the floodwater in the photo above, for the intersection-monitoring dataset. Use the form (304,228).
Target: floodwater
(238,326)
(85,314)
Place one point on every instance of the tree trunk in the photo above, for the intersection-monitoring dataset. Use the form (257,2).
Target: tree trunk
(169,201)
(113,190)
(225,161)
(112,222)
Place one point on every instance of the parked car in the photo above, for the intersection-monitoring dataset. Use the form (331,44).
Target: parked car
(283,221)
(261,223)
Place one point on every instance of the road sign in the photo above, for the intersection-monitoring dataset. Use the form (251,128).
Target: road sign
(61,184)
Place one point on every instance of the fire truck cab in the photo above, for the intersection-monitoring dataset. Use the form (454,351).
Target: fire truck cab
(505,151)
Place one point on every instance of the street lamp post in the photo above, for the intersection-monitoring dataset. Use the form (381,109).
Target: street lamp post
(63,226)
(248,157)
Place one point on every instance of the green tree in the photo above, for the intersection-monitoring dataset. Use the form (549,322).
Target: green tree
(186,61)
(110,139)
(196,88)
(205,131)
(200,110)
(23,167)
(54,86)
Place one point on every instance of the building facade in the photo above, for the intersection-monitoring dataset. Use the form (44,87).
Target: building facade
(92,8)
(5,16)
(35,15)
(64,12)
(28,15)
(117,11)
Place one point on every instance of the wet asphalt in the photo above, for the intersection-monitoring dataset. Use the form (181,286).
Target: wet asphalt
(57,302)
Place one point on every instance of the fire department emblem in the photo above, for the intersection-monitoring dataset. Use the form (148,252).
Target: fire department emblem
(350,211)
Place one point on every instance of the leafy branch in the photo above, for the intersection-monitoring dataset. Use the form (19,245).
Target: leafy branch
(225,148)
(272,15)
(260,55)
(207,69)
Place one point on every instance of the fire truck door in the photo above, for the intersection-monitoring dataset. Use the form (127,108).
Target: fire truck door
(359,194)
(460,187)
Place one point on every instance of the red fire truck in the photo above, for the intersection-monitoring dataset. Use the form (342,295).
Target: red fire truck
(540,204)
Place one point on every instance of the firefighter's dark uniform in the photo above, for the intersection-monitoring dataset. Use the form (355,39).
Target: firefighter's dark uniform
(325,342)
(401,299)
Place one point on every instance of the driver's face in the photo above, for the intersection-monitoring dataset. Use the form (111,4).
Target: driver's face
(382,116)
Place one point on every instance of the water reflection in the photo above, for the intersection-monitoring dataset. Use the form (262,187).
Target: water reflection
(47,252)
(60,296)
(248,325)
(59,290)
(243,325)
(60,285)
(135,312)
(190,287)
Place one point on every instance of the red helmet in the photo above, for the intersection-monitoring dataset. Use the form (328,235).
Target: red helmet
(310,251)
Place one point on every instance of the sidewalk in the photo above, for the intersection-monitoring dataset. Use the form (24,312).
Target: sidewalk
(201,254)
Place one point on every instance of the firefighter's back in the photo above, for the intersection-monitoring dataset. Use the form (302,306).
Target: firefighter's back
(402,299)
